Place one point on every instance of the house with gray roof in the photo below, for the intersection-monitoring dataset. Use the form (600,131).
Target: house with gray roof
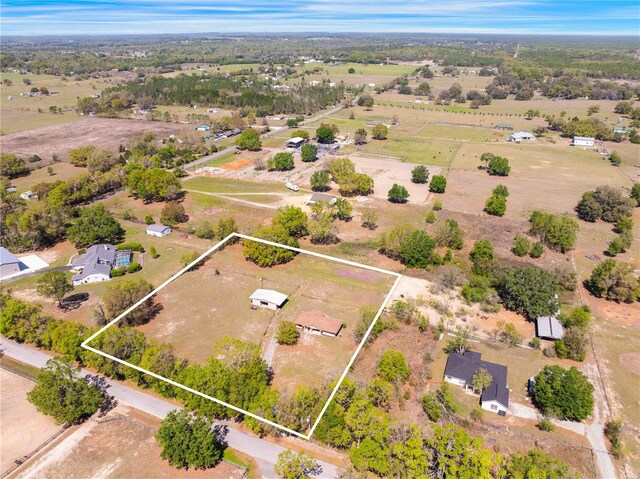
(549,327)
(95,265)
(9,263)
(460,370)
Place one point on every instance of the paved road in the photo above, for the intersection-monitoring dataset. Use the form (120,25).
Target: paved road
(264,452)
(593,432)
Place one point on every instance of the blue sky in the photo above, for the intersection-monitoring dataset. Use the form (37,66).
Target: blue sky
(39,17)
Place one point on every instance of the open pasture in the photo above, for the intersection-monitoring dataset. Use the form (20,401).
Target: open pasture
(207,304)
(543,176)
(25,112)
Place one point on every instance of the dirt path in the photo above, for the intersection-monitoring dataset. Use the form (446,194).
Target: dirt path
(238,200)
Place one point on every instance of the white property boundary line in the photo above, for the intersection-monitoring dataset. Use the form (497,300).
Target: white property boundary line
(85,343)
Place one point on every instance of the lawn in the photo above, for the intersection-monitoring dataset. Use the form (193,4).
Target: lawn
(208,184)
(415,150)
(61,172)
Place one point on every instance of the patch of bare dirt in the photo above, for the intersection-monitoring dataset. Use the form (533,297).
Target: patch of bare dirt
(631,362)
(103,132)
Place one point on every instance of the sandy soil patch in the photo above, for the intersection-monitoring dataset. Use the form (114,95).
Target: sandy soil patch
(122,446)
(23,427)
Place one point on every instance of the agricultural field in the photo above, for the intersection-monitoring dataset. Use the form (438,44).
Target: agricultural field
(195,313)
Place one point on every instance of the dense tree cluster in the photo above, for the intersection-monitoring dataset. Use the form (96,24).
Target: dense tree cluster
(606,203)
(343,172)
(563,393)
(557,232)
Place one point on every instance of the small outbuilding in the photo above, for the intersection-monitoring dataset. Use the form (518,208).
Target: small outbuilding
(295,142)
(9,263)
(319,323)
(586,141)
(318,197)
(504,126)
(27,195)
(549,327)
(158,230)
(521,136)
(267,298)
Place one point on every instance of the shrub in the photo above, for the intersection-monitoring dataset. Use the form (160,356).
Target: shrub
(309,152)
(131,246)
(398,194)
(498,166)
(545,425)
(536,250)
(420,174)
(430,217)
(287,333)
(320,180)
(501,190)
(496,205)
(133,267)
(172,213)
(534,343)
(438,184)
(153,252)
(379,132)
(148,219)
(281,162)
(521,245)
(325,134)
(116,272)
(393,367)
(437,205)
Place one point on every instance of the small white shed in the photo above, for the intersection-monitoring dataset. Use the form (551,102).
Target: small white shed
(158,230)
(267,298)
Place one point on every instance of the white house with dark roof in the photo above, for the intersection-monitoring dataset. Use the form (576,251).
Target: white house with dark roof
(95,265)
(9,263)
(267,298)
(460,370)
(158,230)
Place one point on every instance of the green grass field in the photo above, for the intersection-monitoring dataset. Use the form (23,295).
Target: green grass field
(228,185)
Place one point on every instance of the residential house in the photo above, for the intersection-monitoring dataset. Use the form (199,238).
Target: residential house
(319,323)
(9,263)
(460,370)
(521,136)
(158,230)
(549,327)
(267,298)
(96,264)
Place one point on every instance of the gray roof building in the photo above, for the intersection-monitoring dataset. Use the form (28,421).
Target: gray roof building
(464,366)
(549,327)
(99,259)
(318,197)
(268,296)
(7,257)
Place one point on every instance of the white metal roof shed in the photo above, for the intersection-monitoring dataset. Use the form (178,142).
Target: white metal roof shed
(269,295)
